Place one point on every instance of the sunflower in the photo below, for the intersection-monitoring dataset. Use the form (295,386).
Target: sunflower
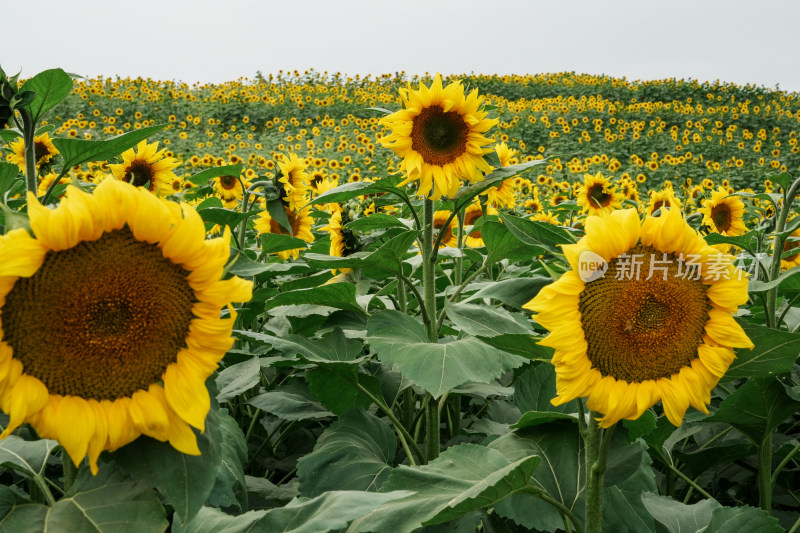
(723,214)
(630,336)
(295,181)
(662,199)
(43,149)
(229,190)
(147,167)
(546,216)
(300,223)
(597,195)
(449,236)
(46,181)
(505,194)
(138,293)
(439,135)
(472,214)
(343,242)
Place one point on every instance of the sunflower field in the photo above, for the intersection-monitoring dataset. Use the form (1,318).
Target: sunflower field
(309,302)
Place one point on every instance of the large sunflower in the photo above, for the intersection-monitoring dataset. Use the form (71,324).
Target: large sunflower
(137,295)
(43,149)
(295,181)
(343,242)
(723,213)
(300,223)
(628,339)
(439,135)
(598,195)
(147,167)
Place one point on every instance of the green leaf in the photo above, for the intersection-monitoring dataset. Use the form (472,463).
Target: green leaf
(339,295)
(276,242)
(333,347)
(51,86)
(523,345)
(79,151)
(762,286)
(462,479)
(386,260)
(8,175)
(483,321)
(775,352)
(739,519)
(337,387)
(277,211)
(401,342)
(213,520)
(679,517)
(290,404)
(356,188)
(240,265)
(354,453)
(27,456)
(742,241)
(503,244)
(185,481)
(223,217)
(534,388)
(376,221)
(726,451)
(641,426)
(332,510)
(237,379)
(494,178)
(536,418)
(201,178)
(535,233)
(107,503)
(756,408)
(230,488)
(514,292)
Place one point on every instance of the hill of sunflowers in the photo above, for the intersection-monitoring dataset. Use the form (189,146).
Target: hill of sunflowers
(311,303)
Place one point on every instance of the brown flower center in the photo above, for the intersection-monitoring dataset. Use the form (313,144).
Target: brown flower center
(596,196)
(439,137)
(139,173)
(641,329)
(100,320)
(228,182)
(721,215)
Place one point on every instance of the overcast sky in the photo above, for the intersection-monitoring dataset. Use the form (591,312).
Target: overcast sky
(740,41)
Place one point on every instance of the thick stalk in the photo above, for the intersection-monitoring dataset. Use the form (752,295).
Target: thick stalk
(28,134)
(595,441)
(777,251)
(765,474)
(429,301)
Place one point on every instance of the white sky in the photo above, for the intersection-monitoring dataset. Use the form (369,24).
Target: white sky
(740,41)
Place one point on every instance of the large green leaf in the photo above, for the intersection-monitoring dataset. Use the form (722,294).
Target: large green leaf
(679,517)
(376,221)
(106,503)
(338,386)
(386,260)
(213,520)
(503,244)
(290,403)
(333,347)
(238,378)
(400,342)
(775,352)
(357,188)
(339,295)
(78,151)
(354,453)
(230,488)
(493,179)
(185,481)
(483,321)
(518,344)
(756,408)
(514,292)
(534,233)
(51,86)
(201,178)
(26,456)
(562,477)
(462,479)
(741,519)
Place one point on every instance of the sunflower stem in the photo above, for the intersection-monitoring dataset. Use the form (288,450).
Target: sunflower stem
(595,441)
(777,252)
(432,420)
(765,474)
(28,134)
(565,511)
